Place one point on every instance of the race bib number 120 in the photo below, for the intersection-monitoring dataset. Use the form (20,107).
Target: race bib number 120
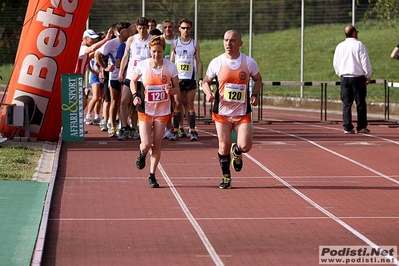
(235,92)
(156,94)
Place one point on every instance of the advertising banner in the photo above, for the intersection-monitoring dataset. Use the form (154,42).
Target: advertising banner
(48,47)
(72,108)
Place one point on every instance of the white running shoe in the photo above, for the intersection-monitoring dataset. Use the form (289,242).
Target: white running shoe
(88,120)
(167,134)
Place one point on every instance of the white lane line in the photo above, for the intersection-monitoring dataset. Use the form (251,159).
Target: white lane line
(296,191)
(226,219)
(367,135)
(317,206)
(215,257)
(337,154)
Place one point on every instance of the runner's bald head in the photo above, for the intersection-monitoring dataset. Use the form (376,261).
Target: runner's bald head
(235,32)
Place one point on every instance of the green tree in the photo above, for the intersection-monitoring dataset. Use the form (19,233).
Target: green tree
(386,11)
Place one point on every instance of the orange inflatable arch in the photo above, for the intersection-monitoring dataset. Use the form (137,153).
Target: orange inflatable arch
(48,47)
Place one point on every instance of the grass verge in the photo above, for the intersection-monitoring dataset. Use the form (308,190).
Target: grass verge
(18,162)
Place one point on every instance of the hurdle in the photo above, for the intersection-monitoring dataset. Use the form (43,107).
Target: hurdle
(387,93)
(291,83)
(386,84)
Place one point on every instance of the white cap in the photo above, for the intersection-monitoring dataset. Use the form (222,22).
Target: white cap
(90,33)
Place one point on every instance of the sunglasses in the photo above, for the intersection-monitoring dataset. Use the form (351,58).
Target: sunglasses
(185,28)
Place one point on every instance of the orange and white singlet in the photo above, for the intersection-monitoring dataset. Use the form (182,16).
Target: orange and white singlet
(232,97)
(156,100)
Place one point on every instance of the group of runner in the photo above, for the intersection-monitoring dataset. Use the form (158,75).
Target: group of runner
(118,57)
(153,75)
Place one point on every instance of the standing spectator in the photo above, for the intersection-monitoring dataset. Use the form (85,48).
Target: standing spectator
(352,64)
(188,61)
(232,107)
(159,80)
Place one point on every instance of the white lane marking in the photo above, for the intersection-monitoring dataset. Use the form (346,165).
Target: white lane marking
(317,206)
(367,135)
(215,257)
(337,154)
(361,143)
(306,198)
(226,219)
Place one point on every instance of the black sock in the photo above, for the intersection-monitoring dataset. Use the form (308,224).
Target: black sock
(224,161)
(191,120)
(176,120)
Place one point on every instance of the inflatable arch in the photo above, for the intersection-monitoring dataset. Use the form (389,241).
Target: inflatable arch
(48,47)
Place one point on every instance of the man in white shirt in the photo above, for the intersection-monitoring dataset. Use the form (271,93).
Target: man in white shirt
(352,64)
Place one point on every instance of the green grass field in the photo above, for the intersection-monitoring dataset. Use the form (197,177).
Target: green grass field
(279,57)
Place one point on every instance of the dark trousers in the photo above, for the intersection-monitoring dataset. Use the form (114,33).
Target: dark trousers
(354,89)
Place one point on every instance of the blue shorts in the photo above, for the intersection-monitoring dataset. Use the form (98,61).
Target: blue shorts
(95,79)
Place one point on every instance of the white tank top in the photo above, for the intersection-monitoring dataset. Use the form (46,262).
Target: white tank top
(185,58)
(138,51)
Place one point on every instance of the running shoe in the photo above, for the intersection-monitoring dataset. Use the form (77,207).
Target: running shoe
(112,132)
(88,120)
(134,134)
(181,133)
(167,134)
(140,161)
(226,182)
(236,163)
(194,135)
(97,121)
(175,136)
(103,126)
(152,182)
(124,133)
(364,131)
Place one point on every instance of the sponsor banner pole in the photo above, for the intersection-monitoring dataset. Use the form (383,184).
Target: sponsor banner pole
(48,47)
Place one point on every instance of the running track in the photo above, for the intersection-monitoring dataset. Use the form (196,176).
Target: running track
(303,185)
